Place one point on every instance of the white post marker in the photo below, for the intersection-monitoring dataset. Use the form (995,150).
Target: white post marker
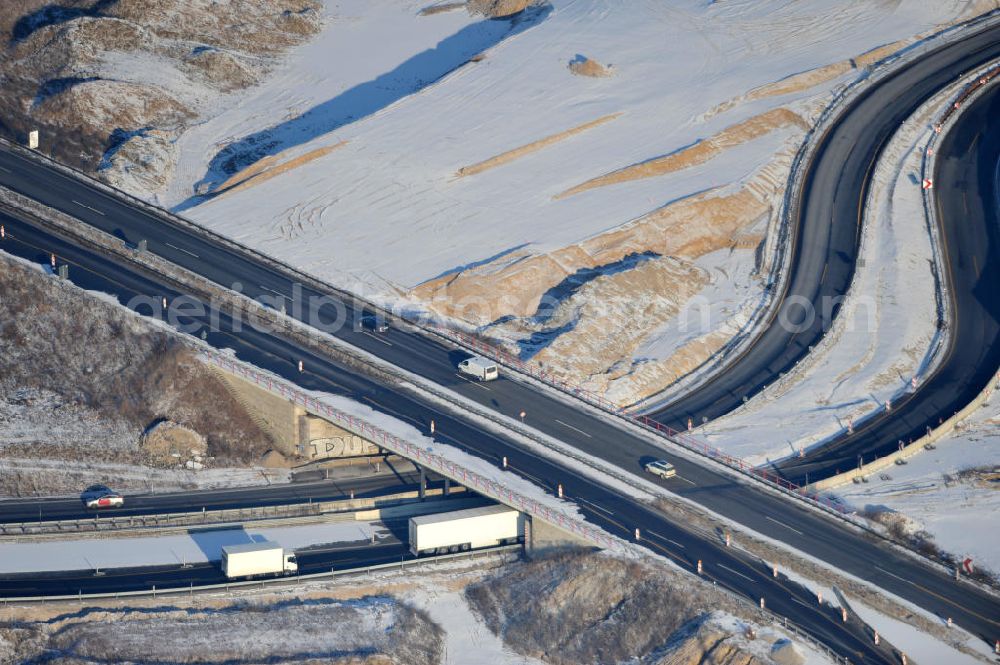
(637,536)
(699,572)
(164,302)
(432,427)
(560,490)
(876,638)
(774,571)
(762,602)
(52,260)
(505,461)
(728,539)
(819,597)
(843,614)
(690,425)
(522,414)
(33,139)
(300,366)
(3,232)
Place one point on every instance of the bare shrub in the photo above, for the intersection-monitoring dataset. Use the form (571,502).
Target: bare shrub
(576,607)
(376,630)
(92,353)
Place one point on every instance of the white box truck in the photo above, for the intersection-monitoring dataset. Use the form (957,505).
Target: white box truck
(251,559)
(463,530)
(479,368)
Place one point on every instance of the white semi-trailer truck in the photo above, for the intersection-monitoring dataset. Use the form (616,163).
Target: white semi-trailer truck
(252,559)
(464,530)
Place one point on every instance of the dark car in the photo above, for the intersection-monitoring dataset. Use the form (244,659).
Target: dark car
(374,324)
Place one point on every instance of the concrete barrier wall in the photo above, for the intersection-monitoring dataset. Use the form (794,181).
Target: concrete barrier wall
(941,431)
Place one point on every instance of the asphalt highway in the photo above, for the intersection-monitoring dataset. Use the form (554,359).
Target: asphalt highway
(118,580)
(752,506)
(825,251)
(49,509)
(968,200)
(617,512)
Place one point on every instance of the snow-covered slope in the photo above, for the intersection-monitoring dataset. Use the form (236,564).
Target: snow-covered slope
(448,161)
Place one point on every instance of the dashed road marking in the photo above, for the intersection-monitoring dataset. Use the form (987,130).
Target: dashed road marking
(181,249)
(574,429)
(84,205)
(477,384)
(768,517)
(734,572)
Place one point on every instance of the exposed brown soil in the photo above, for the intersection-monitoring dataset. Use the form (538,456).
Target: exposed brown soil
(534,146)
(699,153)
(58,80)
(588,67)
(92,353)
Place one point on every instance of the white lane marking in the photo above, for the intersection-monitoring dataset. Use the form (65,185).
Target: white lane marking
(669,540)
(574,428)
(794,599)
(181,249)
(84,205)
(748,579)
(783,524)
(595,506)
(277,293)
(677,475)
(901,579)
(478,384)
(377,338)
(5,170)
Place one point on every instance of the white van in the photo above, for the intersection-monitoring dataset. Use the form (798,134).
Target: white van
(479,368)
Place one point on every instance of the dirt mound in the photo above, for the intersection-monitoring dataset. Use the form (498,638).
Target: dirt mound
(272,459)
(79,73)
(167,441)
(584,66)
(701,152)
(574,608)
(372,630)
(126,369)
(498,8)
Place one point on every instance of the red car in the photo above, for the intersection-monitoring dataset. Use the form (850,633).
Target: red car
(99,496)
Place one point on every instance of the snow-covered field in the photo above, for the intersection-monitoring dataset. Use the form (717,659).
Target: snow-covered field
(882,340)
(387,206)
(362,133)
(960,510)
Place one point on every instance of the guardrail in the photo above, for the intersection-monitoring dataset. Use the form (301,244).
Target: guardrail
(426,457)
(290,511)
(463,339)
(265,582)
(682,439)
(845,96)
(939,128)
